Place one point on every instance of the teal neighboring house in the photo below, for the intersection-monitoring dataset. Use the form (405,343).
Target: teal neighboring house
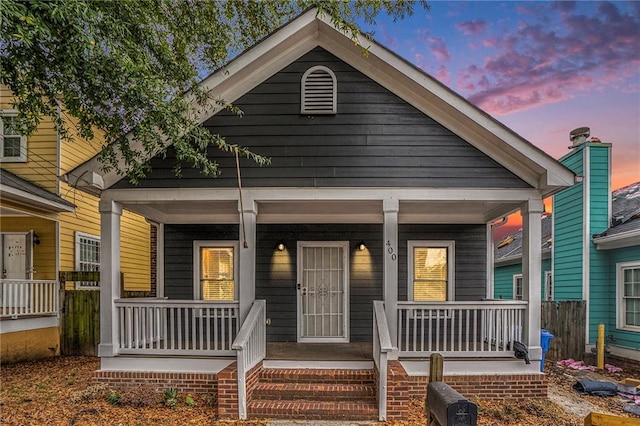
(590,250)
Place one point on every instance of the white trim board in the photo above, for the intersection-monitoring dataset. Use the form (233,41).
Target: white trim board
(313,29)
(165,364)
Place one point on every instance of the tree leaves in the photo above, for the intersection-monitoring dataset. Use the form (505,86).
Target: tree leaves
(122,67)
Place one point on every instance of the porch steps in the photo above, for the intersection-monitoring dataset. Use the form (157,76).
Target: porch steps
(314,394)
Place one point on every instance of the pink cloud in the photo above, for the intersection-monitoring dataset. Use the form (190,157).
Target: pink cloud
(443,75)
(472,28)
(439,49)
(539,64)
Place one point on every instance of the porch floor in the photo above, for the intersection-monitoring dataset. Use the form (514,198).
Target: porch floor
(292,351)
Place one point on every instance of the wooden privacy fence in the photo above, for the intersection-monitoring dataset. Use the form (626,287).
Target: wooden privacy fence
(566,321)
(80,322)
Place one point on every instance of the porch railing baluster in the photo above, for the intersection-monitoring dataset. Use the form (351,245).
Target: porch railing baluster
(461,329)
(169,327)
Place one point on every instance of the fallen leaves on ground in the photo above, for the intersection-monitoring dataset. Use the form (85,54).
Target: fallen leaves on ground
(61,391)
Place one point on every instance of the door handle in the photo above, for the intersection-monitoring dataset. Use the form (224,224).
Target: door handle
(304,291)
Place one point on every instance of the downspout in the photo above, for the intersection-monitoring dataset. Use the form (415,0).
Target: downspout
(58,184)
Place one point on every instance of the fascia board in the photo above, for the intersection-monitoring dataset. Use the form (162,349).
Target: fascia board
(624,239)
(235,79)
(405,80)
(431,97)
(26,198)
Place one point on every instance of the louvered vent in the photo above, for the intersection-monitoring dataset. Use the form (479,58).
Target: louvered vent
(319,91)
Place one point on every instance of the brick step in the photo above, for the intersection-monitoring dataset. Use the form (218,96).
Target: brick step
(314,392)
(312,410)
(305,375)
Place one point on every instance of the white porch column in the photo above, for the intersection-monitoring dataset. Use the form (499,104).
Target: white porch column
(531,272)
(110,214)
(247,259)
(390,208)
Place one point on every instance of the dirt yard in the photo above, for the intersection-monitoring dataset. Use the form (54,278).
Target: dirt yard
(60,391)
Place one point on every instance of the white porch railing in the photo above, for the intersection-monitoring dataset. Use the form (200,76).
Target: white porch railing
(176,327)
(22,298)
(381,348)
(461,329)
(251,347)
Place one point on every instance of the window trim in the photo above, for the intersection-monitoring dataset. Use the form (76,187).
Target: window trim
(310,111)
(22,158)
(76,246)
(197,245)
(450,245)
(620,305)
(514,296)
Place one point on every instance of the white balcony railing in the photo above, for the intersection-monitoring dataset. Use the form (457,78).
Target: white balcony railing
(176,327)
(25,298)
(251,347)
(461,329)
(381,348)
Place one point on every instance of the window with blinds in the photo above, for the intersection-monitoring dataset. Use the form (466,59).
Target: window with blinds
(217,273)
(431,265)
(319,91)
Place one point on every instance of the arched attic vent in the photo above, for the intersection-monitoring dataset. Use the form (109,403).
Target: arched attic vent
(319,91)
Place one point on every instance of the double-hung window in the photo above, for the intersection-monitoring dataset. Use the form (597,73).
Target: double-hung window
(628,290)
(517,287)
(87,257)
(13,145)
(431,271)
(216,270)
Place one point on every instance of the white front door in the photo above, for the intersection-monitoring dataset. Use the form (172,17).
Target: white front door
(323,291)
(16,255)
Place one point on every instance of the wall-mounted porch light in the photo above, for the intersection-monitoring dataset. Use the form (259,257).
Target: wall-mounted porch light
(281,247)
(361,246)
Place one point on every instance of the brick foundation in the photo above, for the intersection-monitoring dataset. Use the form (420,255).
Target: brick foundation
(194,383)
(401,387)
(228,389)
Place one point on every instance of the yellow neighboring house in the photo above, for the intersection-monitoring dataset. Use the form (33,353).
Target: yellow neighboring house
(48,227)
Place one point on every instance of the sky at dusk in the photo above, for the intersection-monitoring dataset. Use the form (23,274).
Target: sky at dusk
(541,68)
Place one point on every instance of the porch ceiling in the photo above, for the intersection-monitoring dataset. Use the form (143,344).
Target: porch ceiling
(324,211)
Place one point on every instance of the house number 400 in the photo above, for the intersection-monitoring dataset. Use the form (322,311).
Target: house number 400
(391,251)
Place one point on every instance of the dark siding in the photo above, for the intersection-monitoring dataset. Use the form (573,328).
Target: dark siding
(471,260)
(375,140)
(178,254)
(276,274)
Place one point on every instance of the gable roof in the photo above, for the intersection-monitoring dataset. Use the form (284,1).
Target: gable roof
(624,229)
(312,29)
(14,188)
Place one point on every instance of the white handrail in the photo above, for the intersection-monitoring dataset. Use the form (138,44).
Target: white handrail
(462,329)
(176,327)
(251,348)
(22,298)
(381,348)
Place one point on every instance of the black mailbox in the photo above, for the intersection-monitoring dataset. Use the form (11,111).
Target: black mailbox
(448,408)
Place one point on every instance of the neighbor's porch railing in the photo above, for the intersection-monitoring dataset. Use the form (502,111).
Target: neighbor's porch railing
(23,298)
(461,329)
(251,347)
(381,348)
(176,327)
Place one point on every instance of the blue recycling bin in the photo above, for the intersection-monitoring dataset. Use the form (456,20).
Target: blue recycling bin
(545,339)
